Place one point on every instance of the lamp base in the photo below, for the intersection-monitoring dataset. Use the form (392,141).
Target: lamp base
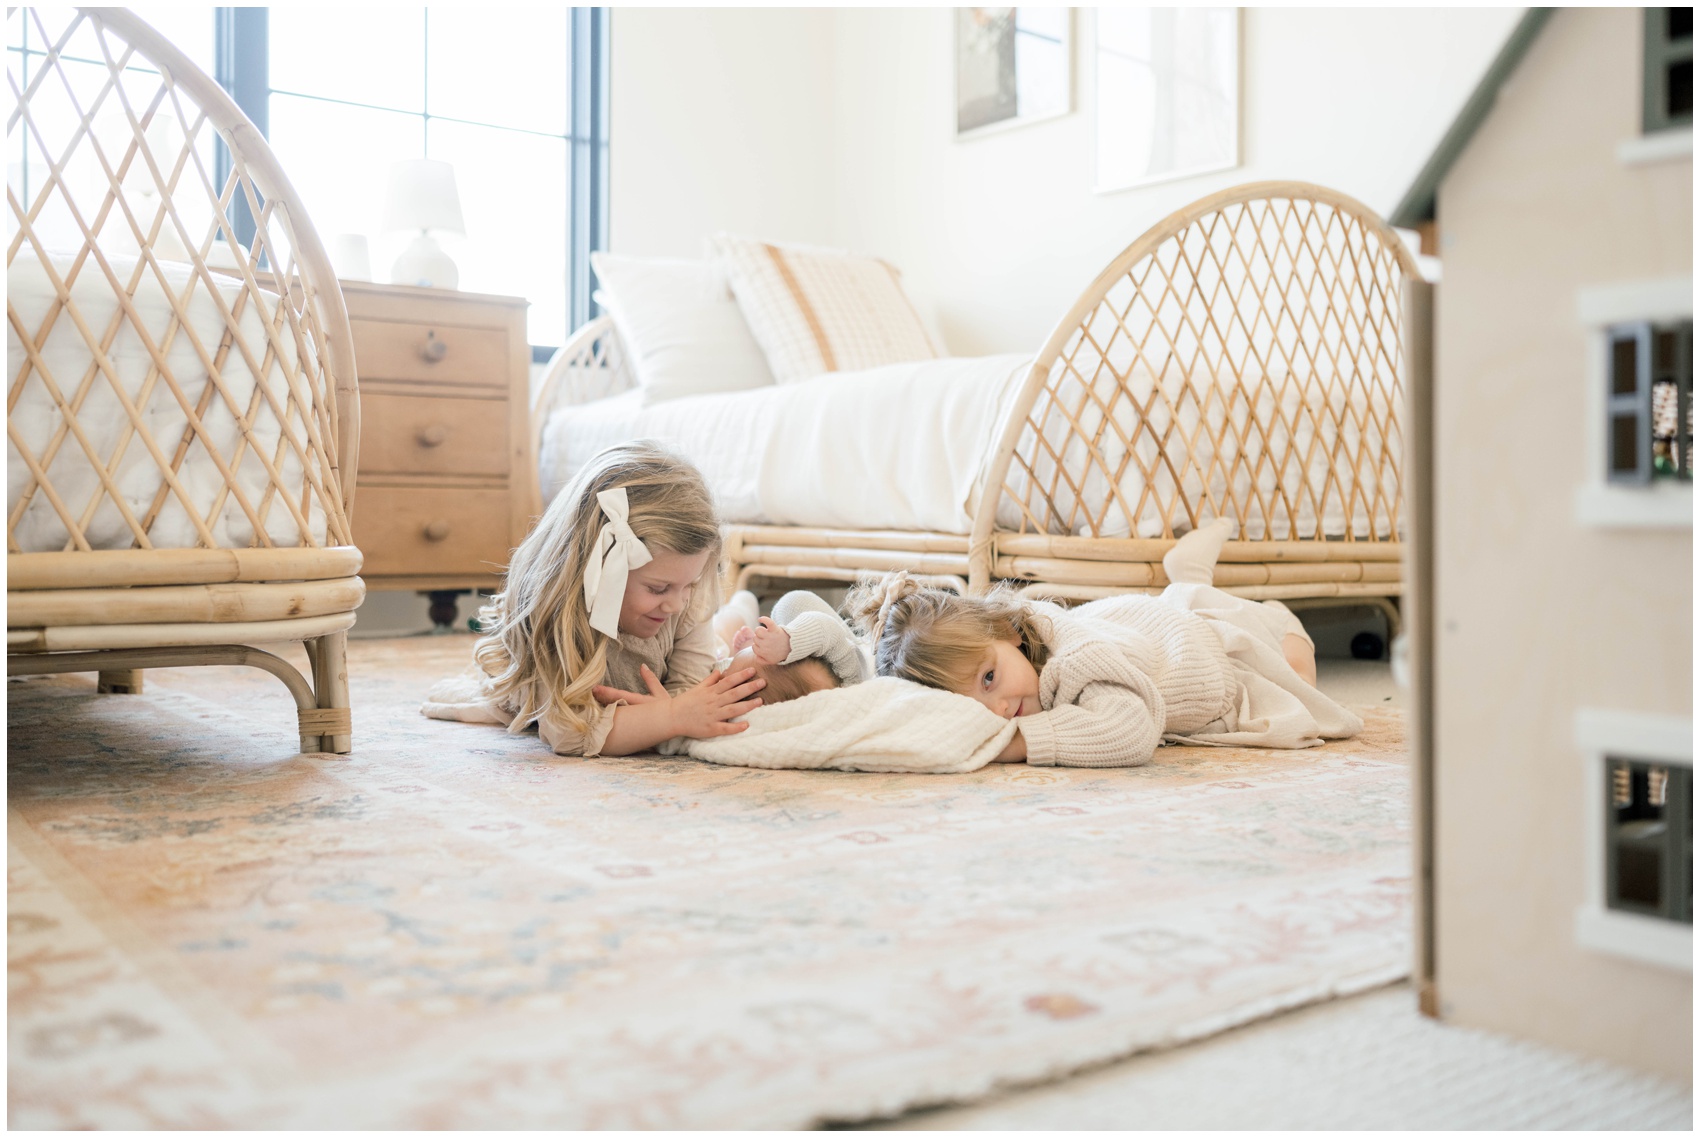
(424,263)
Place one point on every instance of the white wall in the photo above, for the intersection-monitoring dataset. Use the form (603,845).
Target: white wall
(835,126)
(721,118)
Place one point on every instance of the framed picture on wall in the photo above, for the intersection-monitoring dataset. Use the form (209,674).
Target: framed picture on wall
(1012,67)
(1167,94)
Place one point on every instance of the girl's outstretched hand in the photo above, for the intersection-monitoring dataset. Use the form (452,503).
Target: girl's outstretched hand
(702,711)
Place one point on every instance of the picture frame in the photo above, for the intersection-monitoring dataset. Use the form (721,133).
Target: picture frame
(1014,66)
(1166,94)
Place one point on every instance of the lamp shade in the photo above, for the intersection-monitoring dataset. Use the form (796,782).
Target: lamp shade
(422,195)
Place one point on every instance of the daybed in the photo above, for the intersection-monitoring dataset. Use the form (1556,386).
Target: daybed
(182,413)
(1241,359)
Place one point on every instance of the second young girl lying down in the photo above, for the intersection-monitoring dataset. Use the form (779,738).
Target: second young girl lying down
(1102,685)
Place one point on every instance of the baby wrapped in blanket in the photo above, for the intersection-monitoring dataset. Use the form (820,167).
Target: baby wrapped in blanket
(804,647)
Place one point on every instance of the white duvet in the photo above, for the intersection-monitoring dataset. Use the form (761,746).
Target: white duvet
(102,420)
(896,447)
(906,447)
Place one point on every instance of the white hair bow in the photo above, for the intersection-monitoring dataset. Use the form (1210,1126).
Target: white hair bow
(616,553)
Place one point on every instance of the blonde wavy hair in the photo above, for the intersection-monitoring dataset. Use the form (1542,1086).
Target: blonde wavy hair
(539,655)
(938,638)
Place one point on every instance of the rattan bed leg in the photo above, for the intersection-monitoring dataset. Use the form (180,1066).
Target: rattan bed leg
(330,685)
(1390,609)
(126,681)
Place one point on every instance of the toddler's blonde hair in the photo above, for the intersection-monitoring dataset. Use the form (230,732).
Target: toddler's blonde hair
(938,638)
(539,654)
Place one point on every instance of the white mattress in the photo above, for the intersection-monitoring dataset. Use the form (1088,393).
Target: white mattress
(102,419)
(906,446)
(896,447)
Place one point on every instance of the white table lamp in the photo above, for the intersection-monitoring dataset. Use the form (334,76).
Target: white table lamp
(423,197)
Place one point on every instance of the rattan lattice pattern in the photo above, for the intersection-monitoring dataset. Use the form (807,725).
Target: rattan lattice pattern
(1245,365)
(161,327)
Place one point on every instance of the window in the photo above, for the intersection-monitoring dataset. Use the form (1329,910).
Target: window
(1650,402)
(1667,78)
(512,97)
(82,180)
(1649,843)
(1637,836)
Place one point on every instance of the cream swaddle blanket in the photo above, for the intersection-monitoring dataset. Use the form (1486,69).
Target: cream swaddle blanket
(886,724)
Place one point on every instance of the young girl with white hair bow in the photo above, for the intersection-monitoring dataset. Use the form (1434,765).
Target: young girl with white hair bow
(615,587)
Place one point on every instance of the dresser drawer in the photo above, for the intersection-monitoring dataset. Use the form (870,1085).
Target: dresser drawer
(409,532)
(430,353)
(433,434)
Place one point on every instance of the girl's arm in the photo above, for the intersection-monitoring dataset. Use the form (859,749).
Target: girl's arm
(1106,713)
(700,712)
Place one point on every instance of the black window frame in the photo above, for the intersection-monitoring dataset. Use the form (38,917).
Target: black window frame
(242,66)
(1649,846)
(1665,57)
(1633,373)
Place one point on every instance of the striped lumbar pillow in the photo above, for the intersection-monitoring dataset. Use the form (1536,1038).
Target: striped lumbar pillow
(821,310)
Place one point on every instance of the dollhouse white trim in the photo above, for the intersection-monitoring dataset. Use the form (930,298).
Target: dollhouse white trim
(1643,736)
(1600,504)
(1649,149)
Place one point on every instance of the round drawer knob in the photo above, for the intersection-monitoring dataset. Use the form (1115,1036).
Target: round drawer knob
(433,350)
(437,530)
(433,436)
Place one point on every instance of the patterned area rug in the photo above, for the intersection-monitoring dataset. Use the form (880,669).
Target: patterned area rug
(454,928)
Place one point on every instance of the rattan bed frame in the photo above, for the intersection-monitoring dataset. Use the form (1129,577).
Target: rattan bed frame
(92,95)
(1277,290)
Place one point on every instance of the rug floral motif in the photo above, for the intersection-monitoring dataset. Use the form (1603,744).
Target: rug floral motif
(455,928)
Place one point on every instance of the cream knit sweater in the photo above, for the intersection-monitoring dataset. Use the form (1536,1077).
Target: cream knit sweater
(1123,673)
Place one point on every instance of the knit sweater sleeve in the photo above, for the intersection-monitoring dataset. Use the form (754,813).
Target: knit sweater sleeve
(816,630)
(1102,711)
(818,634)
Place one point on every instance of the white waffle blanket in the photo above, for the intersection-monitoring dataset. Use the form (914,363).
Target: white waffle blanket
(885,724)
(103,422)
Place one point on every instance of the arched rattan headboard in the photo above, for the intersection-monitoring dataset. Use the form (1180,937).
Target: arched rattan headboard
(117,199)
(1241,358)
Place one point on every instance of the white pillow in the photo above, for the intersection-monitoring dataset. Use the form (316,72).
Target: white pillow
(821,310)
(681,327)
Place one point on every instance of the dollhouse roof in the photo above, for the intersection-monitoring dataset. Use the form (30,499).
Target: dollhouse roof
(1418,203)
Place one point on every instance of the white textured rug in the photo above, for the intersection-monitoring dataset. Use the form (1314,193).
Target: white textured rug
(1366,1063)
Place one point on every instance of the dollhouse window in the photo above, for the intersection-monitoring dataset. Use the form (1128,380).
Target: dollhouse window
(1667,86)
(1637,836)
(1649,845)
(1650,402)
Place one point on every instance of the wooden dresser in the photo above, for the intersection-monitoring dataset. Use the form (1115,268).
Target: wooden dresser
(445,487)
